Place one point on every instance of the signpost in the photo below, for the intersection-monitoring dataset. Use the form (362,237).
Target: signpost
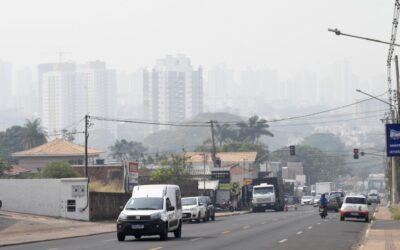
(131,175)
(393,139)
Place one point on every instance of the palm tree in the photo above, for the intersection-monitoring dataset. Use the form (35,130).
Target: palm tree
(253,129)
(224,133)
(33,134)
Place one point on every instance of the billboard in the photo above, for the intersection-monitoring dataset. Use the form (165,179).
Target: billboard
(393,139)
(131,175)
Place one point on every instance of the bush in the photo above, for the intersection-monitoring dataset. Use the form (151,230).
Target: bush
(395,210)
(112,187)
(58,169)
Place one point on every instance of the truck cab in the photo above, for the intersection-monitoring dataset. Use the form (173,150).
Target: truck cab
(264,197)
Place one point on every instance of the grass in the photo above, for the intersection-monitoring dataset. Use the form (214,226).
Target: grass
(112,187)
(395,210)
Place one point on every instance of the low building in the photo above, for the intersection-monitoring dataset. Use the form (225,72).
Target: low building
(55,150)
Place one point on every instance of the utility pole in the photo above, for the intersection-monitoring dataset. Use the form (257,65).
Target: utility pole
(204,172)
(86,145)
(394,159)
(214,150)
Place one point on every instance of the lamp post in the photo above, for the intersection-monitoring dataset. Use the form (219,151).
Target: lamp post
(393,159)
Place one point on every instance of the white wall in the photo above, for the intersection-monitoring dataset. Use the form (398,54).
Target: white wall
(47,197)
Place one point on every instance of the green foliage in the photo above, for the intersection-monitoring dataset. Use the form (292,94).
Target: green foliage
(127,150)
(174,170)
(253,129)
(3,167)
(33,134)
(325,142)
(318,166)
(57,169)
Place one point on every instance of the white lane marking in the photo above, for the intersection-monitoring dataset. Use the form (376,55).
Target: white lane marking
(284,240)
(195,239)
(262,223)
(226,232)
(52,248)
(108,240)
(245,227)
(309,227)
(156,248)
(300,232)
(319,223)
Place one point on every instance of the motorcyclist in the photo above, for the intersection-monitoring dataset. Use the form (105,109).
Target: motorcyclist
(323,203)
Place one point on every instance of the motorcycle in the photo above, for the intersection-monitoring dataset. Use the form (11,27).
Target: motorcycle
(227,206)
(323,211)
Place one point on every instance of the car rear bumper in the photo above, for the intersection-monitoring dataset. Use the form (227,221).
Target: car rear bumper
(354,214)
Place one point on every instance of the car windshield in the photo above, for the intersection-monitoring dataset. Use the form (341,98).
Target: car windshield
(355,200)
(189,201)
(307,197)
(263,190)
(145,203)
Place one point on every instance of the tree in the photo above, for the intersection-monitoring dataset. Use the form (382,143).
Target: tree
(58,169)
(174,170)
(3,167)
(318,166)
(68,135)
(33,134)
(10,142)
(253,129)
(325,142)
(127,150)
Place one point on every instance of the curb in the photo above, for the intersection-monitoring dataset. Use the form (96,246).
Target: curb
(57,238)
(231,214)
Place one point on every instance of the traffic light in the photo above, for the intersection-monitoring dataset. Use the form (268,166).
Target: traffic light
(355,153)
(292,150)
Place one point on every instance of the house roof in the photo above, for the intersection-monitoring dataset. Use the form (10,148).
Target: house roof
(16,170)
(57,147)
(224,156)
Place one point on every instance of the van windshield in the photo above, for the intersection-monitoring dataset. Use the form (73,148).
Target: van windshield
(263,190)
(145,203)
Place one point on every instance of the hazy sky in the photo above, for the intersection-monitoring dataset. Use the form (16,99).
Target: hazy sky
(289,36)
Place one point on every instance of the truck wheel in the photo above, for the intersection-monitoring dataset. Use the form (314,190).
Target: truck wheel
(213,217)
(121,236)
(178,231)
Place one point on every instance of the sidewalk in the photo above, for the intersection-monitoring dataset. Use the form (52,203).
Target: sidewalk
(18,228)
(383,232)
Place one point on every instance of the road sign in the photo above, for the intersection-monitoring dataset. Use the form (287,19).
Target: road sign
(132,174)
(393,139)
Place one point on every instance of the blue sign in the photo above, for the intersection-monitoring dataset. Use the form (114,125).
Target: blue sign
(393,139)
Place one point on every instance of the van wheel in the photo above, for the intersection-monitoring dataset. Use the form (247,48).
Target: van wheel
(121,236)
(164,233)
(178,231)
(205,218)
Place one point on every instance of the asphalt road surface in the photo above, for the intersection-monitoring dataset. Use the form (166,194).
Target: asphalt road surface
(302,229)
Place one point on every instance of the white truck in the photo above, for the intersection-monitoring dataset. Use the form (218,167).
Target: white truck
(323,187)
(268,195)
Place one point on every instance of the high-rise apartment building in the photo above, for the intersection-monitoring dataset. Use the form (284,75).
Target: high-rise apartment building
(173,90)
(69,91)
(5,85)
(26,93)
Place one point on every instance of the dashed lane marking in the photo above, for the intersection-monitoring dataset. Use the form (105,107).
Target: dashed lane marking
(195,239)
(309,227)
(245,227)
(108,240)
(52,249)
(262,223)
(300,232)
(226,232)
(155,248)
(284,240)
(319,223)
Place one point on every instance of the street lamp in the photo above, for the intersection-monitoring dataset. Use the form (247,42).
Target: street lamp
(339,33)
(393,167)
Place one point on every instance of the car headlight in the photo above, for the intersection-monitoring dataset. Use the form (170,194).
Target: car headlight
(155,216)
(122,216)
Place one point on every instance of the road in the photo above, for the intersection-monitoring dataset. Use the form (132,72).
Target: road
(302,229)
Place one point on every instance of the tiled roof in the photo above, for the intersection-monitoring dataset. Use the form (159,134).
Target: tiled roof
(16,170)
(57,147)
(224,156)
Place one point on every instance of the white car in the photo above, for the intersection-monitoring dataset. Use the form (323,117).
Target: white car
(193,209)
(354,206)
(306,200)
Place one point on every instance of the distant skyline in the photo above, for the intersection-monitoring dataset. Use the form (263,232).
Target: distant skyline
(290,37)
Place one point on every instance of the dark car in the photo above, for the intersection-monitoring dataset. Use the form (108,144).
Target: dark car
(333,203)
(340,195)
(210,209)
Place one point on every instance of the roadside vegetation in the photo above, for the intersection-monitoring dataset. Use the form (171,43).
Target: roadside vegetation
(395,210)
(112,187)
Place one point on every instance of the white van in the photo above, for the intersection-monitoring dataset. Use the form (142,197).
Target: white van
(152,210)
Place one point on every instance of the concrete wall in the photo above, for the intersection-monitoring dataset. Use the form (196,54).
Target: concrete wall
(50,197)
(106,206)
(103,173)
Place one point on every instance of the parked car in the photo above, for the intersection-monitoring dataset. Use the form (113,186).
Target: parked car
(305,200)
(194,209)
(354,207)
(152,210)
(373,198)
(210,209)
(333,203)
